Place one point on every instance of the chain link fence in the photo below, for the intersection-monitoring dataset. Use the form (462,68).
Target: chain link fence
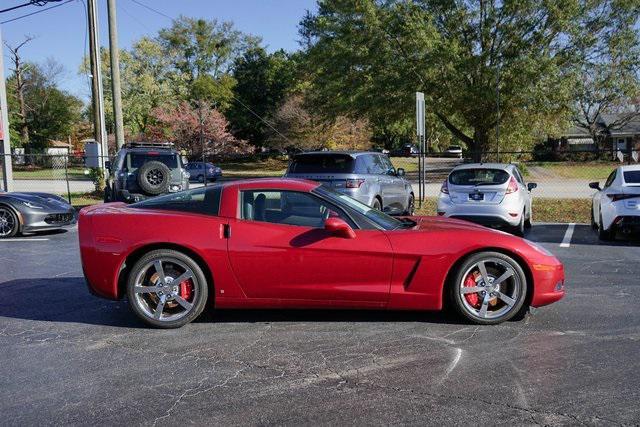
(563,178)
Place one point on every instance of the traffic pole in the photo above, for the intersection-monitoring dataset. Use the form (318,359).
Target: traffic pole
(115,73)
(5,148)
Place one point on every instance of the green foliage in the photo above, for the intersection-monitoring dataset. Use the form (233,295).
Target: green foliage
(97,177)
(51,113)
(263,81)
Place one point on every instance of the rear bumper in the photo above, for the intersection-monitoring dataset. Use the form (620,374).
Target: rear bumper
(489,215)
(486,220)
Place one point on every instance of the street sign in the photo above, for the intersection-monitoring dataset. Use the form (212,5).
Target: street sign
(420,113)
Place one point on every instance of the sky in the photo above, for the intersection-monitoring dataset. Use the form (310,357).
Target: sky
(61,32)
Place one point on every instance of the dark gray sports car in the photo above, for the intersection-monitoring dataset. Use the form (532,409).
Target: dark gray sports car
(29,212)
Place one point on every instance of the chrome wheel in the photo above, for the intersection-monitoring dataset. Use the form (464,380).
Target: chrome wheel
(490,288)
(165,289)
(8,223)
(155,177)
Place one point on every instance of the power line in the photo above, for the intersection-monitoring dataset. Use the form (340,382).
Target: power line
(30,3)
(153,10)
(34,13)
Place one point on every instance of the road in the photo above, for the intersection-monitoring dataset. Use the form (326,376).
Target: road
(67,357)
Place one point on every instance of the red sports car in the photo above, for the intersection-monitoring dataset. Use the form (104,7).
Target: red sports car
(278,243)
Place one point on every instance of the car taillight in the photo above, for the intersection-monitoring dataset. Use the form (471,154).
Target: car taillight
(616,197)
(445,187)
(513,186)
(354,183)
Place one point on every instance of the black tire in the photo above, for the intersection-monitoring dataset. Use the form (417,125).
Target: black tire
(518,282)
(107,194)
(605,235)
(411,206)
(528,223)
(154,178)
(377,204)
(9,222)
(201,178)
(200,285)
(518,230)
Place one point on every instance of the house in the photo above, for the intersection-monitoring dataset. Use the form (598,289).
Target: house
(624,137)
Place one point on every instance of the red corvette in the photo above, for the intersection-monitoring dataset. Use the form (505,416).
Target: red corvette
(276,243)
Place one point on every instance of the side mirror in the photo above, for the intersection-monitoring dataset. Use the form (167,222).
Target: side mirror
(107,164)
(531,186)
(400,172)
(595,185)
(339,228)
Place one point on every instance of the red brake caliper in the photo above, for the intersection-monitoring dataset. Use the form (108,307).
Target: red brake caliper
(473,299)
(186,289)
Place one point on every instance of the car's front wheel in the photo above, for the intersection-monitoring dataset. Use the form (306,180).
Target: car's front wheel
(167,289)
(9,224)
(488,288)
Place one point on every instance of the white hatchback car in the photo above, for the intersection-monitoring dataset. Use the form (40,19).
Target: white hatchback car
(491,194)
(616,206)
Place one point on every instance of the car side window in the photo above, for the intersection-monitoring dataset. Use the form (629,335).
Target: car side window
(288,208)
(516,173)
(203,200)
(388,166)
(379,166)
(610,180)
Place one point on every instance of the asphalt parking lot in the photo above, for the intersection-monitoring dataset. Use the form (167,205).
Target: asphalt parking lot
(70,358)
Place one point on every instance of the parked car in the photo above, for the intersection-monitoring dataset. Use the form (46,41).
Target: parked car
(616,206)
(142,169)
(29,212)
(198,171)
(407,150)
(366,176)
(453,151)
(289,243)
(491,194)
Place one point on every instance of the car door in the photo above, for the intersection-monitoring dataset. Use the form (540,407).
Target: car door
(396,184)
(385,181)
(279,249)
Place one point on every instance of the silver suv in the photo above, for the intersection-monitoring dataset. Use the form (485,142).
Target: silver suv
(491,194)
(366,176)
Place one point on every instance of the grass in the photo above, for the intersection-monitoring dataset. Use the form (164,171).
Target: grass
(544,210)
(34,172)
(572,170)
(256,168)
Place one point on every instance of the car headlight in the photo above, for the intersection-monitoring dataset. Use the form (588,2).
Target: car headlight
(32,205)
(538,248)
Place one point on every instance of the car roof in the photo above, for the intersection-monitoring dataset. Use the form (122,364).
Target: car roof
(630,168)
(292,184)
(503,166)
(148,149)
(352,153)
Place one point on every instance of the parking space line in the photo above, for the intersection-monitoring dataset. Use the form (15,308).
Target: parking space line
(22,240)
(566,241)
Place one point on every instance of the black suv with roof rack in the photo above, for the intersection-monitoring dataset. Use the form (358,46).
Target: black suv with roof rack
(145,169)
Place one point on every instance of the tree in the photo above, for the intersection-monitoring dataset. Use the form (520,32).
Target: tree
(294,127)
(608,72)
(51,113)
(369,57)
(18,72)
(201,52)
(193,129)
(263,81)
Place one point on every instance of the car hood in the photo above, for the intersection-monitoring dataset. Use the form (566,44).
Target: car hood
(43,199)
(446,224)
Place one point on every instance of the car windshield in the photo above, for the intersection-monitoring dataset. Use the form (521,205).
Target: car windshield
(380,218)
(139,159)
(479,176)
(632,177)
(322,163)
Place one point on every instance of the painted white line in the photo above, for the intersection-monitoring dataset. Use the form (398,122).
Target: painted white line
(566,241)
(22,240)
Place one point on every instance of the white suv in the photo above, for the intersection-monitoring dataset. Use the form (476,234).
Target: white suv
(616,206)
(491,194)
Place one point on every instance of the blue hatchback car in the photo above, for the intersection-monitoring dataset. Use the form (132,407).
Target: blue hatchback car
(200,170)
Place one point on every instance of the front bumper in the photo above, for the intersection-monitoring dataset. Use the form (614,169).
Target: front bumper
(47,220)
(548,281)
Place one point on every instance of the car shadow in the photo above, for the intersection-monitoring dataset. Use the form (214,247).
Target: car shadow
(583,234)
(45,233)
(68,300)
(64,299)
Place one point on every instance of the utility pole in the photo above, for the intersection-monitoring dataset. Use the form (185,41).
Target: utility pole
(115,73)
(97,100)
(498,114)
(5,148)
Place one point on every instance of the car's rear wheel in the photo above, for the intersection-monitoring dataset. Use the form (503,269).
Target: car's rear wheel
(167,289)
(488,288)
(9,223)
(528,223)
(518,230)
(377,204)
(604,235)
